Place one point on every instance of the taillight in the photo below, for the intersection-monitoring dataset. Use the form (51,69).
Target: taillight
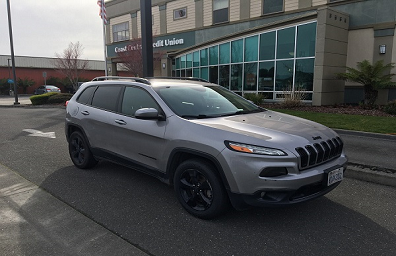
(67,102)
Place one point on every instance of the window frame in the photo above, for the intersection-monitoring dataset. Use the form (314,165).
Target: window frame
(177,10)
(270,13)
(228,13)
(125,36)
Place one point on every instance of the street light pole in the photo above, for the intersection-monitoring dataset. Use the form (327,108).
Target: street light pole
(12,53)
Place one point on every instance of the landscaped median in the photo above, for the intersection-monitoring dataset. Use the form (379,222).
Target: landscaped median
(375,121)
(50,98)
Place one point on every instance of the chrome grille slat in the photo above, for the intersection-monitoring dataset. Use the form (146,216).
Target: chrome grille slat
(318,153)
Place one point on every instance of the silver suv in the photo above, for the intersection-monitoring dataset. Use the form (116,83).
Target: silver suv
(211,144)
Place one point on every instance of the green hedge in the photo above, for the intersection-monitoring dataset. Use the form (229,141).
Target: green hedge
(391,108)
(50,98)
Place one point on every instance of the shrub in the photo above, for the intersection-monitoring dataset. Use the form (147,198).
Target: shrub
(391,108)
(256,98)
(293,98)
(59,98)
(42,98)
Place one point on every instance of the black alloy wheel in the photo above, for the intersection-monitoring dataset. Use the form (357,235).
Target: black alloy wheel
(199,189)
(79,151)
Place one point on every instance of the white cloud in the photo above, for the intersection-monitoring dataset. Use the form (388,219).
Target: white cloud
(42,28)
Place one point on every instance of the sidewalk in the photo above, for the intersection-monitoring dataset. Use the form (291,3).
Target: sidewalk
(33,222)
(23,100)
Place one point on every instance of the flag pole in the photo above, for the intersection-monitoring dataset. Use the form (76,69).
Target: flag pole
(104,48)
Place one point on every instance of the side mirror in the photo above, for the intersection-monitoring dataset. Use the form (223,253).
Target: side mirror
(148,114)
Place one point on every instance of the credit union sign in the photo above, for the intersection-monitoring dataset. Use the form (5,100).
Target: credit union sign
(166,43)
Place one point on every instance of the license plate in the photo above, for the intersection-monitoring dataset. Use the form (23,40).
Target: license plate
(335,176)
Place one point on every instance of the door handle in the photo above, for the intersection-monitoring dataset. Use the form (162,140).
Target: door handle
(85,113)
(121,122)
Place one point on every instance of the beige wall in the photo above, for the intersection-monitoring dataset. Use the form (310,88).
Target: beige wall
(180,24)
(359,41)
(255,8)
(235,7)
(291,5)
(208,12)
(318,2)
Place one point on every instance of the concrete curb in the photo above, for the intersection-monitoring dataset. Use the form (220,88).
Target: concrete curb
(371,174)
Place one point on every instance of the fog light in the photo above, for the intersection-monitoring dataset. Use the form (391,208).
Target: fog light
(273,172)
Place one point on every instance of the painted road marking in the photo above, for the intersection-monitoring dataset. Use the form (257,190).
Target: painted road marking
(37,133)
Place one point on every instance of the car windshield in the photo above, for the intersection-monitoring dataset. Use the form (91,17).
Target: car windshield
(205,102)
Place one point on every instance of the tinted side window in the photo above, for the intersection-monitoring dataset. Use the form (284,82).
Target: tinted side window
(106,97)
(86,96)
(136,98)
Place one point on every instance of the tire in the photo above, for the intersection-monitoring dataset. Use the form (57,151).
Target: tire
(80,152)
(199,190)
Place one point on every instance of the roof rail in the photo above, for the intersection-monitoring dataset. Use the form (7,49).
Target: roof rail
(136,79)
(180,78)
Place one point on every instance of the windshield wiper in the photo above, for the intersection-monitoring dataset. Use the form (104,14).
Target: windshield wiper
(195,116)
(242,112)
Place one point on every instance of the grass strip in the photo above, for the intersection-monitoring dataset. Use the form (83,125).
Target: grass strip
(375,124)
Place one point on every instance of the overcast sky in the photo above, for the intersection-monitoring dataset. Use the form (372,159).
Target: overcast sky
(42,28)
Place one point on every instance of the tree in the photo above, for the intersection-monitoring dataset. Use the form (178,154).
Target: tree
(372,77)
(69,63)
(25,83)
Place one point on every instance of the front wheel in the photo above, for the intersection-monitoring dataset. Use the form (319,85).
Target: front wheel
(80,152)
(199,190)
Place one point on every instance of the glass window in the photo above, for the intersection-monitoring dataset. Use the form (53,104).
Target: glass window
(250,77)
(177,73)
(306,40)
(136,98)
(224,76)
(266,76)
(121,32)
(267,46)
(214,55)
(224,52)
(86,96)
(183,61)
(177,63)
(271,6)
(189,72)
(214,74)
(195,72)
(196,59)
(251,48)
(204,57)
(304,74)
(189,60)
(106,97)
(237,51)
(286,39)
(220,11)
(180,13)
(284,75)
(236,77)
(205,73)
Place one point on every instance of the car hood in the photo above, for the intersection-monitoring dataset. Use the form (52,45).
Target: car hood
(271,126)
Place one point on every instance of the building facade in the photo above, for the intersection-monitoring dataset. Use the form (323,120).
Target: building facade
(270,47)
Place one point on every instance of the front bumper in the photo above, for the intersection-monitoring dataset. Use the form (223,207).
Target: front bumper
(268,198)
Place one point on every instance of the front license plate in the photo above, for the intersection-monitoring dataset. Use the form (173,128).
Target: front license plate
(335,176)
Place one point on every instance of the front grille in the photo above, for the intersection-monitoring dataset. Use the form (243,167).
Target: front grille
(318,153)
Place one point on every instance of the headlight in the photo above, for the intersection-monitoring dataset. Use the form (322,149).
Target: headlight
(245,148)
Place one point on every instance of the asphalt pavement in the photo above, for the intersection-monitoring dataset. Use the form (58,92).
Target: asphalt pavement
(55,228)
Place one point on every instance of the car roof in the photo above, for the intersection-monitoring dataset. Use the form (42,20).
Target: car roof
(157,81)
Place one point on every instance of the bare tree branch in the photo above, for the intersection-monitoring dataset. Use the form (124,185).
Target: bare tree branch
(69,63)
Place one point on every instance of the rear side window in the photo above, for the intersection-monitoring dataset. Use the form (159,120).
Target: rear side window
(106,97)
(86,96)
(136,98)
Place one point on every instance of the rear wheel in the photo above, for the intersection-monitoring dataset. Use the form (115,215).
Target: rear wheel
(199,190)
(79,151)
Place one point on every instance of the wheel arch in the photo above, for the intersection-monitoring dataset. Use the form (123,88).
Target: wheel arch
(179,155)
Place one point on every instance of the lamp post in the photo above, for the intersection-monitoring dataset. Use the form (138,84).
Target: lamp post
(12,53)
